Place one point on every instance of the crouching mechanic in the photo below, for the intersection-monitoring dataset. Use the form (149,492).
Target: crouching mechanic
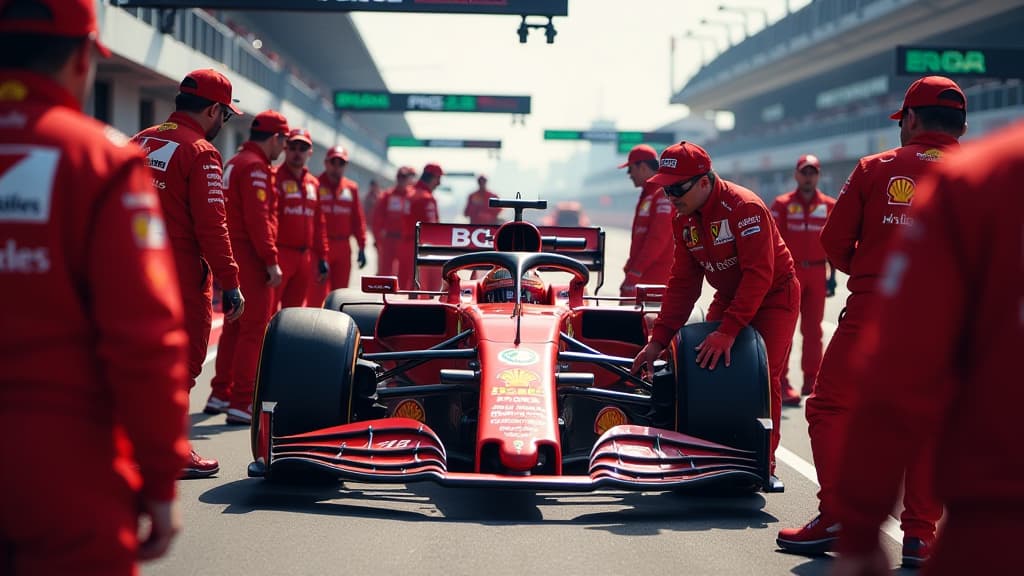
(724,232)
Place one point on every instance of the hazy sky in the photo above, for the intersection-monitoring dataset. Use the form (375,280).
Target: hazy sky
(610,61)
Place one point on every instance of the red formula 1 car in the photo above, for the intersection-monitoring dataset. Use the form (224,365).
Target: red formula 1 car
(504,379)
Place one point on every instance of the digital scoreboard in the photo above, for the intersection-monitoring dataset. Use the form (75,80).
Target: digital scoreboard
(378,101)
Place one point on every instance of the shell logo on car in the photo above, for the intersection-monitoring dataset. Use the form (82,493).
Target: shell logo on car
(900,191)
(410,409)
(608,418)
(518,382)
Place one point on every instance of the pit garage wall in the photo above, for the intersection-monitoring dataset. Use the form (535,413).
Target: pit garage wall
(161,55)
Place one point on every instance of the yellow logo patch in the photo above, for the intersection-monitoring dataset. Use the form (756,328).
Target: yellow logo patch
(900,191)
(410,409)
(261,194)
(12,90)
(518,382)
(167,126)
(608,418)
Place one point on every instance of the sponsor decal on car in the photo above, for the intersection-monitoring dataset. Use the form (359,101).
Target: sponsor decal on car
(900,191)
(409,408)
(608,418)
(478,237)
(518,356)
(517,382)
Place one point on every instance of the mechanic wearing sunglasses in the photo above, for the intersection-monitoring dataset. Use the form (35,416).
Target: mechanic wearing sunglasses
(724,233)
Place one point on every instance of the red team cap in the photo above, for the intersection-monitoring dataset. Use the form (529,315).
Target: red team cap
(270,121)
(681,162)
(71,18)
(926,91)
(639,153)
(209,84)
(300,135)
(808,160)
(433,170)
(337,152)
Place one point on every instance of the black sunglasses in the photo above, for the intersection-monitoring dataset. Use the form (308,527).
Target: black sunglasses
(678,189)
(299,146)
(226,114)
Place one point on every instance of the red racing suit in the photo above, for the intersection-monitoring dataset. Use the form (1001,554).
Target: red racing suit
(650,251)
(187,175)
(92,339)
(800,222)
(734,243)
(422,208)
(390,218)
(343,219)
(252,226)
(873,206)
(952,382)
(478,209)
(300,224)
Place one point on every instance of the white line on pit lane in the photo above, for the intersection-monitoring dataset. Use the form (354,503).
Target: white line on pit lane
(891,526)
(212,352)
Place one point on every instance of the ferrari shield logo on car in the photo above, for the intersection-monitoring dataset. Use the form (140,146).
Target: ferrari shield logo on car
(608,418)
(900,191)
(410,409)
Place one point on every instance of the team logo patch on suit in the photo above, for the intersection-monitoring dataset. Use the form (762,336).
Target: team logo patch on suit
(900,191)
(721,233)
(167,126)
(158,152)
(149,230)
(750,231)
(325,192)
(26,182)
(346,194)
(291,189)
(820,211)
(795,209)
(645,207)
(310,191)
(930,155)
(691,235)
(261,194)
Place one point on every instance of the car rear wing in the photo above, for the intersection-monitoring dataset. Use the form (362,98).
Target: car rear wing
(436,243)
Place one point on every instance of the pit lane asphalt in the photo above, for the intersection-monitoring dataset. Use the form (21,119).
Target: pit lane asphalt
(240,526)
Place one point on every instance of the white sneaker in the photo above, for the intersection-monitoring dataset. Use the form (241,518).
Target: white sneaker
(240,416)
(215,405)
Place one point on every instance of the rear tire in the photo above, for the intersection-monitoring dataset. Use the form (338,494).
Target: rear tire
(306,366)
(363,308)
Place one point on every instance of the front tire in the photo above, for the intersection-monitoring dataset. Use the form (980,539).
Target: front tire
(306,366)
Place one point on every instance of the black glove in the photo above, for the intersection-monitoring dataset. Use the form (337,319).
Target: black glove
(830,286)
(322,267)
(361,259)
(231,300)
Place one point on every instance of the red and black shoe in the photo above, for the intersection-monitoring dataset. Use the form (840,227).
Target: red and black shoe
(790,397)
(813,539)
(916,551)
(199,467)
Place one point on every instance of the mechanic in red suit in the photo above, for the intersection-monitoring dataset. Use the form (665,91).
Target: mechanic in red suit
(801,215)
(422,208)
(478,208)
(948,296)
(343,219)
(252,226)
(651,245)
(873,206)
(301,234)
(724,233)
(187,174)
(389,222)
(93,381)
(370,203)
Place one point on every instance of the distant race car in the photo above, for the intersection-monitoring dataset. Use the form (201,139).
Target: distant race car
(505,379)
(567,213)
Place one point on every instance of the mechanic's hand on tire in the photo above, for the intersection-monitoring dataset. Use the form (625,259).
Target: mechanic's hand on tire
(361,259)
(164,525)
(233,304)
(274,275)
(322,269)
(714,346)
(645,358)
